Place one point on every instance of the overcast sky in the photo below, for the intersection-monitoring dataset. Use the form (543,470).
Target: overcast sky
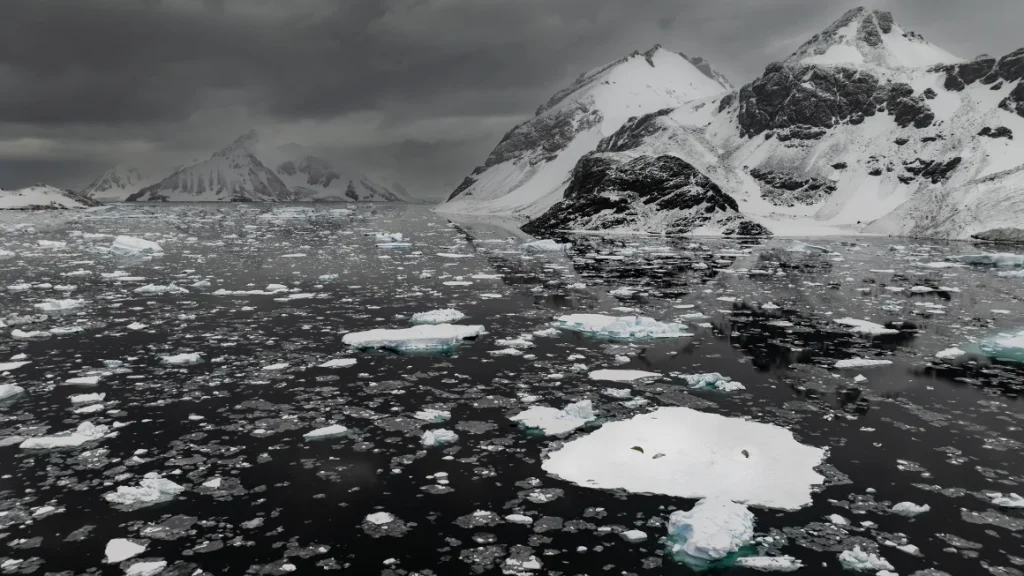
(419,90)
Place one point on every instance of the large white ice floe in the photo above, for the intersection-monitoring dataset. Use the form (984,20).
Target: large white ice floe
(60,305)
(553,421)
(713,381)
(152,489)
(1012,500)
(713,529)
(8,391)
(690,454)
(622,375)
(423,338)
(338,363)
(146,568)
(862,363)
(863,561)
(910,509)
(8,366)
(865,327)
(157,289)
(332,431)
(132,245)
(121,549)
(446,316)
(620,327)
(85,432)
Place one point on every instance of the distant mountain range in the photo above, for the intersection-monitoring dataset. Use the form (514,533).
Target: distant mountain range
(867,127)
(243,172)
(42,197)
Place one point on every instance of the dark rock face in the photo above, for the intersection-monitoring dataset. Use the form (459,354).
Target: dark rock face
(318,171)
(634,132)
(987,70)
(934,171)
(784,190)
(958,76)
(819,97)
(1003,235)
(619,190)
(998,132)
(1014,102)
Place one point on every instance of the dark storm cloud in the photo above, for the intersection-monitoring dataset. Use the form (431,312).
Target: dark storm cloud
(187,74)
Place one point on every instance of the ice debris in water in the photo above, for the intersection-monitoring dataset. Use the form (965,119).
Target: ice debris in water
(1005,346)
(621,327)
(155,289)
(60,305)
(146,568)
(87,398)
(1011,500)
(184,359)
(388,237)
(152,489)
(866,328)
(751,462)
(427,337)
(543,246)
(446,316)
(861,560)
(770,563)
(997,260)
(861,363)
(439,436)
(121,549)
(132,245)
(713,380)
(338,363)
(431,415)
(553,421)
(8,391)
(622,375)
(950,354)
(331,431)
(713,529)
(85,432)
(910,509)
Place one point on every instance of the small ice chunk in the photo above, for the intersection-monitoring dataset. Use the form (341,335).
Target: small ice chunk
(620,327)
(275,367)
(155,289)
(865,328)
(950,353)
(428,337)
(331,431)
(1011,500)
(519,519)
(131,245)
(446,316)
(60,305)
(8,391)
(83,381)
(136,326)
(634,535)
(993,259)
(146,568)
(770,563)
(431,415)
(910,509)
(622,375)
(711,530)
(152,489)
(380,518)
(861,560)
(33,335)
(862,363)
(85,432)
(90,409)
(8,366)
(439,436)
(184,359)
(121,549)
(713,380)
(338,363)
(542,246)
(553,421)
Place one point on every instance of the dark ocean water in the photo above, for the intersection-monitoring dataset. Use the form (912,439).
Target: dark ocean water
(918,430)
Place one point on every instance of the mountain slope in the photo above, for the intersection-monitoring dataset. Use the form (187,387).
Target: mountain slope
(529,169)
(313,178)
(867,127)
(42,197)
(117,184)
(232,174)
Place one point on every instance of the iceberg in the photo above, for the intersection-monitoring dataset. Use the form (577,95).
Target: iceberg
(1007,346)
(60,305)
(152,489)
(439,436)
(132,245)
(431,415)
(86,432)
(910,509)
(749,462)
(620,327)
(553,421)
(622,375)
(713,529)
(185,359)
(714,381)
(121,549)
(862,561)
(424,338)
(865,328)
(8,391)
(331,431)
(446,316)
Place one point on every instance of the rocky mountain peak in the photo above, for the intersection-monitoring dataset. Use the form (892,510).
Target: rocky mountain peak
(244,144)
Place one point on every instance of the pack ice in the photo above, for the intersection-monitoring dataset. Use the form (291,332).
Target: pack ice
(620,327)
(423,338)
(690,454)
(85,432)
(553,421)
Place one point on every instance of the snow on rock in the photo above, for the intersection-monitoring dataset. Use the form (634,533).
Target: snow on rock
(862,363)
(770,563)
(60,305)
(331,431)
(865,328)
(713,380)
(543,246)
(713,529)
(8,391)
(620,327)
(446,316)
(862,561)
(183,359)
(121,549)
(152,489)
(622,375)
(130,245)
(437,437)
(750,462)
(85,432)
(553,421)
(423,338)
(43,197)
(910,509)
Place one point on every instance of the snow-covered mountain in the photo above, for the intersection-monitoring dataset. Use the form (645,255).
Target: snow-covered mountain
(117,184)
(529,169)
(42,197)
(316,179)
(866,128)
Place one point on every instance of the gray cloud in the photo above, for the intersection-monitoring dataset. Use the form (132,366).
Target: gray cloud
(419,88)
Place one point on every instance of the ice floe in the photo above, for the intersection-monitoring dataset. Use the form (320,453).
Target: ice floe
(132,245)
(152,489)
(620,327)
(437,437)
(155,289)
(862,363)
(542,246)
(183,359)
(553,421)
(331,431)
(865,327)
(770,563)
(85,432)
(60,305)
(8,391)
(446,316)
(423,338)
(863,561)
(713,529)
(682,452)
(910,509)
(714,381)
(121,549)
(622,375)
(338,363)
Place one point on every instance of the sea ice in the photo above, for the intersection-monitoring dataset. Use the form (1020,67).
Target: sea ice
(622,375)
(861,363)
(152,489)
(8,366)
(1005,346)
(554,421)
(155,289)
(910,509)
(331,431)
(770,563)
(866,328)
(519,519)
(1011,500)
(85,432)
(620,327)
(745,461)
(338,363)
(32,335)
(431,415)
(380,518)
(950,354)
(997,260)
(120,549)
(542,246)
(60,305)
(146,568)
(83,381)
(446,316)
(439,436)
(860,560)
(8,391)
(634,535)
(711,530)
(132,245)
(713,380)
(184,359)
(423,338)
